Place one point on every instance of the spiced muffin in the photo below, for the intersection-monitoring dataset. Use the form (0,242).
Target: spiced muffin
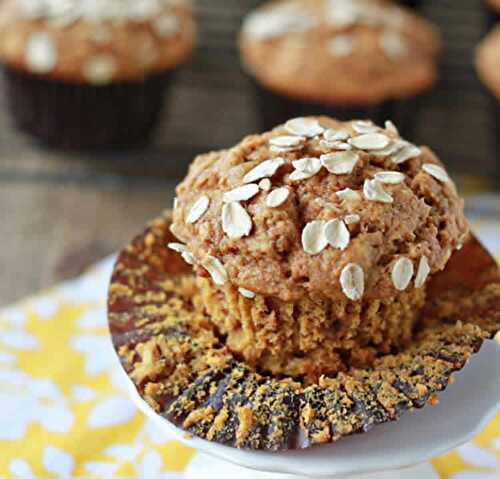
(351,58)
(488,62)
(318,238)
(81,73)
(311,283)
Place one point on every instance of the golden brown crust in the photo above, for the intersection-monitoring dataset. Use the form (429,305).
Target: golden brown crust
(488,61)
(425,218)
(390,53)
(92,51)
(185,371)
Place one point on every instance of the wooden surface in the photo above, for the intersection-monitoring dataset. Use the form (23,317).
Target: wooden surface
(59,211)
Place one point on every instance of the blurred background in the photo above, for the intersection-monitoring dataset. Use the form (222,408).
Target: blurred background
(60,211)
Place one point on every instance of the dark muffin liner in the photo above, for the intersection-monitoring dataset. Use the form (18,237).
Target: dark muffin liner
(274,109)
(492,18)
(80,116)
(411,3)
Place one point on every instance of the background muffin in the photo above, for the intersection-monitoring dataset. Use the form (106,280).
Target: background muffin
(351,57)
(488,69)
(317,239)
(91,74)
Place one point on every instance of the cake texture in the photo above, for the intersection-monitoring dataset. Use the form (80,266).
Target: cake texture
(67,60)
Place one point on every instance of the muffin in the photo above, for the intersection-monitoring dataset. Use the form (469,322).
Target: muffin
(350,58)
(311,282)
(82,74)
(487,66)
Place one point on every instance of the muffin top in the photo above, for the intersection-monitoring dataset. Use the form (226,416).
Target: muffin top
(319,207)
(371,50)
(495,4)
(95,41)
(488,61)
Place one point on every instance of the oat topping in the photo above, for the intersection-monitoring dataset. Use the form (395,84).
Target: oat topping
(280,21)
(241,193)
(41,53)
(370,141)
(317,199)
(332,135)
(406,152)
(352,281)
(402,273)
(304,127)
(287,142)
(186,255)
(216,270)
(69,11)
(246,293)
(305,168)
(341,45)
(394,45)
(437,172)
(177,247)
(277,197)
(390,177)
(352,219)
(166,25)
(341,163)
(266,169)
(100,69)
(365,127)
(188,258)
(236,222)
(198,209)
(349,196)
(422,272)
(337,234)
(391,127)
(265,184)
(374,191)
(314,240)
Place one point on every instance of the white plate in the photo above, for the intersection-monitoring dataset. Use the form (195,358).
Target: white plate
(464,410)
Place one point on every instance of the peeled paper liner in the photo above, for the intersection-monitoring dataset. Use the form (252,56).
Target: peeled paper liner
(225,401)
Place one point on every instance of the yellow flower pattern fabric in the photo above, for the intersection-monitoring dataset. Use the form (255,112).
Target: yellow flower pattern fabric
(64,409)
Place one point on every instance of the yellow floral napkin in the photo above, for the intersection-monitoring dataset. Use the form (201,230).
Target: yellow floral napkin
(64,410)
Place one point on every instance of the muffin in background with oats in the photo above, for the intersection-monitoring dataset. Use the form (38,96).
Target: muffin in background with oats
(86,74)
(345,58)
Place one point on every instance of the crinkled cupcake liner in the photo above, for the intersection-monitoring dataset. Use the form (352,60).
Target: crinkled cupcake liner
(81,116)
(181,366)
(274,109)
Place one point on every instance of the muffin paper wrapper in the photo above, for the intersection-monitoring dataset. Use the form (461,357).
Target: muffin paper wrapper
(274,109)
(225,401)
(79,116)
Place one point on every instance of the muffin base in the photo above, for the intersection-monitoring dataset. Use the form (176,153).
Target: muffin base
(311,337)
(184,370)
(79,116)
(274,109)
(411,3)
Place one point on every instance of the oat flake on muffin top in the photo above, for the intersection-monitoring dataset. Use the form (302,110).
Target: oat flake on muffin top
(353,211)
(340,51)
(90,41)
